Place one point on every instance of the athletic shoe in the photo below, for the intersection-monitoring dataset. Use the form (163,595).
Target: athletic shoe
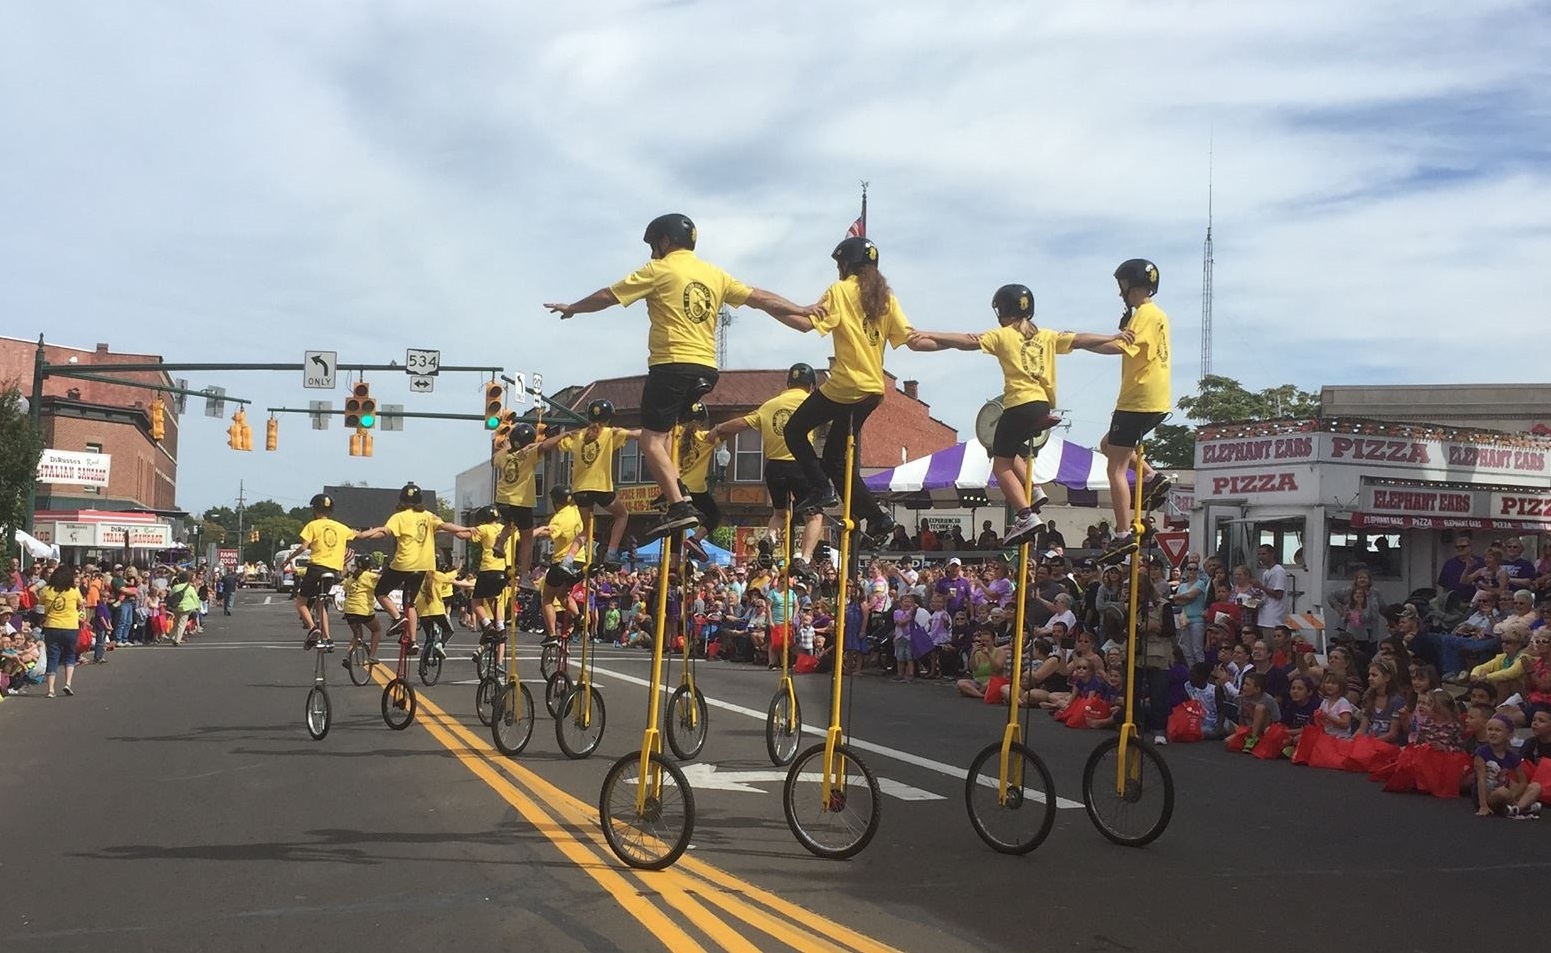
(1119,548)
(681,515)
(818,502)
(327,645)
(550,640)
(879,530)
(440,650)
(69,691)
(695,550)
(1155,490)
(798,569)
(1160,739)
(1040,499)
(1024,526)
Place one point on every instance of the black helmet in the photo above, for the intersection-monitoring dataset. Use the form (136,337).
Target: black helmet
(699,412)
(412,495)
(523,435)
(801,375)
(559,494)
(322,503)
(1013,301)
(856,251)
(600,410)
(486,514)
(676,228)
(1138,273)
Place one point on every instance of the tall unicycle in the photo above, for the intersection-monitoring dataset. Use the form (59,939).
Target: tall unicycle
(1009,792)
(831,798)
(511,720)
(581,717)
(646,805)
(1126,785)
(783,719)
(689,719)
(398,696)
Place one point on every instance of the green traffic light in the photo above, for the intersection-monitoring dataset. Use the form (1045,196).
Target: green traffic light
(368,420)
(492,422)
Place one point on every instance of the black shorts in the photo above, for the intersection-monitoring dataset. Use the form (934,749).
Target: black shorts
(706,504)
(669,392)
(785,483)
(408,582)
(590,498)
(1017,426)
(1128,427)
(519,516)
(557,578)
(489,583)
(360,619)
(311,584)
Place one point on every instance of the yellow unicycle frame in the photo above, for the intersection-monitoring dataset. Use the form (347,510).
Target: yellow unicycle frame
(1128,764)
(1013,733)
(584,672)
(651,738)
(787,685)
(834,768)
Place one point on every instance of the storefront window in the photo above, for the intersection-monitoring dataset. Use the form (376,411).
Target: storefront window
(748,457)
(1351,549)
(628,468)
(92,490)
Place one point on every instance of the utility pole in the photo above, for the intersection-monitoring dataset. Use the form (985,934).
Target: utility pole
(241,492)
(1206,276)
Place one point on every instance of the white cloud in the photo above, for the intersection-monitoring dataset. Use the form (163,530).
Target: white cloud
(246,181)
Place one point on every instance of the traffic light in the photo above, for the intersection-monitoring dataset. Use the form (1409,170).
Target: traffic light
(244,431)
(360,443)
(158,420)
(503,433)
(495,401)
(234,432)
(361,406)
(272,435)
(355,443)
(253,536)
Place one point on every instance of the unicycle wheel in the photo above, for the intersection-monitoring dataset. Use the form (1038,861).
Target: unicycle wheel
(655,833)
(556,687)
(842,823)
(1020,821)
(580,721)
(783,728)
(1136,811)
(356,659)
(398,704)
(688,722)
(485,695)
(511,723)
(320,713)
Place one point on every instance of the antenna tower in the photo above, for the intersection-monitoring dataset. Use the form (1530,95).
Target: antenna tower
(1206,276)
(723,322)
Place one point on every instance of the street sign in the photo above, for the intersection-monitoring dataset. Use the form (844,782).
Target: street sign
(423,362)
(519,391)
(318,369)
(421,383)
(1174,546)
(215,405)
(320,413)
(181,400)
(392,415)
(538,382)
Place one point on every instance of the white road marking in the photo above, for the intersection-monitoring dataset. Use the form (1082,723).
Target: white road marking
(702,775)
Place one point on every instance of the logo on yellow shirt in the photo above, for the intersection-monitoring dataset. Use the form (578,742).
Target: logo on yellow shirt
(57,605)
(511,470)
(330,537)
(1032,358)
(699,304)
(589,452)
(778,422)
(874,333)
(422,530)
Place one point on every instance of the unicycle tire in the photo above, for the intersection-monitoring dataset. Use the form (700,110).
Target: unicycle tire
(655,837)
(485,695)
(320,713)
(556,687)
(1024,820)
(430,667)
(783,729)
(576,739)
(845,823)
(356,657)
(398,704)
(549,660)
(1148,794)
(511,723)
(689,721)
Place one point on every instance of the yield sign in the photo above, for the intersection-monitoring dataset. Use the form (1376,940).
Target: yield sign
(1174,545)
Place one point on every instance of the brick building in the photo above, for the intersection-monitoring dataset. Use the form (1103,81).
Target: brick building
(901,428)
(105,418)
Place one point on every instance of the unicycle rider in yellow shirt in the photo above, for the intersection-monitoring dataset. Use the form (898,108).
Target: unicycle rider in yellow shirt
(515,465)
(683,295)
(326,541)
(414,534)
(1145,389)
(592,469)
(1027,354)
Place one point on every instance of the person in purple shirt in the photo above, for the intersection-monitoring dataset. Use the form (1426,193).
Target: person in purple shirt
(1451,576)
(954,587)
(1521,572)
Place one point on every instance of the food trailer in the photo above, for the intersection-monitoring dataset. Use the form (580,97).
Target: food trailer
(1332,495)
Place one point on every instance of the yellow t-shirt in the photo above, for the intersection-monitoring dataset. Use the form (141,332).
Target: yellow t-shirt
(326,539)
(683,295)
(514,476)
(360,593)
(771,418)
(694,460)
(564,527)
(592,461)
(61,610)
(1028,363)
(437,587)
(858,370)
(1144,363)
(415,532)
(491,559)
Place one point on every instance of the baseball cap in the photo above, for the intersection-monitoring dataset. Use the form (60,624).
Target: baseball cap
(1088,563)
(955,561)
(1409,611)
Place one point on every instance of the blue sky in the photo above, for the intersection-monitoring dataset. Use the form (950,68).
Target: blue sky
(244,181)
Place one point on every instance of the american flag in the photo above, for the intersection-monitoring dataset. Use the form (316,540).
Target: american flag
(858,229)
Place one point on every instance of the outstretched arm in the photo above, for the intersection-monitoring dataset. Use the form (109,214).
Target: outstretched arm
(597,301)
(795,316)
(942,341)
(1102,343)
(376,532)
(726,429)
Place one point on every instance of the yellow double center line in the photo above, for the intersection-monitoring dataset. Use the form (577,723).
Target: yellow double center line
(714,901)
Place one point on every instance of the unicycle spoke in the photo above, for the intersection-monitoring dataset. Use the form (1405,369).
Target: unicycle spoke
(688,722)
(840,824)
(1016,818)
(319,712)
(1134,807)
(783,727)
(580,721)
(654,834)
(511,723)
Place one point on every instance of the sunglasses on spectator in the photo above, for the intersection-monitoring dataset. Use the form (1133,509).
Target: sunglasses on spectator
(1461,545)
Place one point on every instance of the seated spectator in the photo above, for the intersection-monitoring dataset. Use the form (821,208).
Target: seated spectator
(1085,681)
(987,669)
(1383,714)
(1257,708)
(1506,669)
(1045,675)
(1342,661)
(1537,746)
(1436,722)
(1502,785)
(1336,711)
(988,538)
(1302,704)
(1200,689)
(1115,682)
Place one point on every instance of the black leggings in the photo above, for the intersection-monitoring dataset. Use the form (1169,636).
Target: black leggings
(813,413)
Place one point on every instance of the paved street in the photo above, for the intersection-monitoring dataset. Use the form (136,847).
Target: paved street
(177,804)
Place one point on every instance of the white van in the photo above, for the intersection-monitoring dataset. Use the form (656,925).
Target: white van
(285,581)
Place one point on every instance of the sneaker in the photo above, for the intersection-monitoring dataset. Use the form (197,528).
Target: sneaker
(311,642)
(695,550)
(69,691)
(1533,808)
(548,640)
(345,663)
(1119,548)
(441,650)
(798,569)
(1160,739)
(681,515)
(818,502)
(880,529)
(1155,490)
(326,645)
(1023,527)
(414,650)
(1040,499)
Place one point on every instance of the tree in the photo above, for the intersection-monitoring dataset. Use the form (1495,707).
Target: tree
(23,444)
(1221,400)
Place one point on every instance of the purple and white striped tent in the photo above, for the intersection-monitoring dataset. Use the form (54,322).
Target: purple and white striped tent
(961,474)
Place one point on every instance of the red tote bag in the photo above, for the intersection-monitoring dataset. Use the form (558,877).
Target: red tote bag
(1272,742)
